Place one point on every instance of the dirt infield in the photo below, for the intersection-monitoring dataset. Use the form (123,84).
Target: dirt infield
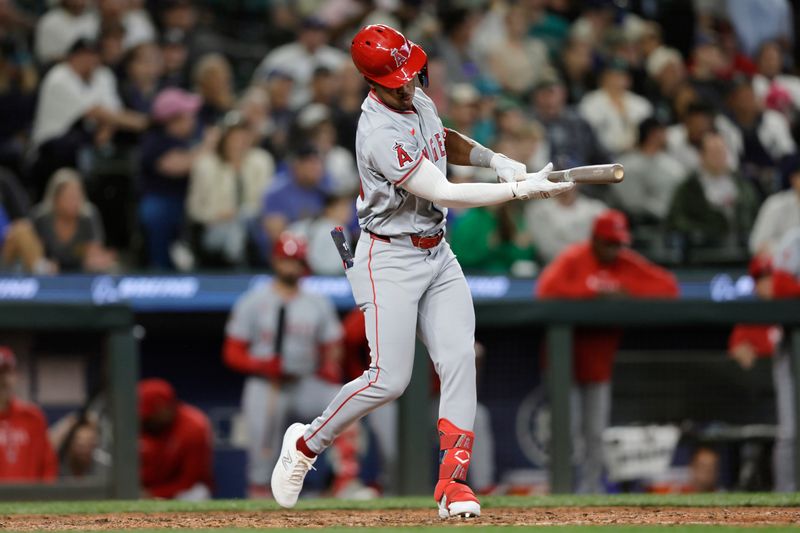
(409,518)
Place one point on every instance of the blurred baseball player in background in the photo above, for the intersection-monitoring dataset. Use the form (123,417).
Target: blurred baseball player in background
(603,267)
(776,277)
(288,342)
(405,277)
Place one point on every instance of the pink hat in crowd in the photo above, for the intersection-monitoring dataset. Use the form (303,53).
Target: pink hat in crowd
(173,102)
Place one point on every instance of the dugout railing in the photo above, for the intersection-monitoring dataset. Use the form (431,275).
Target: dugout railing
(558,319)
(115,323)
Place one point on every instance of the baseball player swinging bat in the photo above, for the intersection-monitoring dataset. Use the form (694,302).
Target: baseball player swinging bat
(592,174)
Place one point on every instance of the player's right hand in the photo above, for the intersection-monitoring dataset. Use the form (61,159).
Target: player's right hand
(537,186)
(508,170)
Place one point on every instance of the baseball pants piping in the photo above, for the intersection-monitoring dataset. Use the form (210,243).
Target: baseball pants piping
(404,290)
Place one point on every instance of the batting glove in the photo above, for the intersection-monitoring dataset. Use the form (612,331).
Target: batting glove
(508,170)
(536,186)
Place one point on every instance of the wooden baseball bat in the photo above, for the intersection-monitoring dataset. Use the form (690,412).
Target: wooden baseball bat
(592,174)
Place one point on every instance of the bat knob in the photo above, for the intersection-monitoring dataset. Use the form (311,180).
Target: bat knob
(619,172)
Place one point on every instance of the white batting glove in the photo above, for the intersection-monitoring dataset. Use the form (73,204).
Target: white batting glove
(508,170)
(536,186)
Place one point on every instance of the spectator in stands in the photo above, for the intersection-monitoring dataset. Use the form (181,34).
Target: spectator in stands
(455,44)
(175,452)
(613,111)
(667,75)
(352,90)
(213,80)
(300,58)
(707,69)
(62,25)
(78,106)
(18,84)
(183,15)
(279,86)
(26,455)
(19,244)
(462,109)
(296,194)
(144,66)
(517,60)
(684,139)
(603,267)
(572,140)
(774,88)
(714,206)
(779,213)
(560,222)
(315,126)
(322,258)
(225,192)
(492,240)
(70,228)
(575,67)
(324,86)
(136,24)
(760,138)
(651,176)
(110,47)
(774,22)
(166,157)
(176,55)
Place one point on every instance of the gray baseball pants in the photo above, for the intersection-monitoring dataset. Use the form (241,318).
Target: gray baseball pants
(404,291)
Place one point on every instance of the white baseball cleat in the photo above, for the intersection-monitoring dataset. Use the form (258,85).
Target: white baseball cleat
(465,509)
(291,468)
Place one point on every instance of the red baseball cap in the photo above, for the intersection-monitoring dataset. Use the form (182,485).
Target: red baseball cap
(154,395)
(760,265)
(612,225)
(7,359)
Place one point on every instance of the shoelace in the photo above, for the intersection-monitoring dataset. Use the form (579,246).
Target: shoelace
(298,474)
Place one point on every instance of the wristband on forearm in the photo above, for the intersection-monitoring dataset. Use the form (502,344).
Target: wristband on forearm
(480,156)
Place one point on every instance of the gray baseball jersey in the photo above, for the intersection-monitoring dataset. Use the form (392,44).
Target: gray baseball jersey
(310,320)
(391,145)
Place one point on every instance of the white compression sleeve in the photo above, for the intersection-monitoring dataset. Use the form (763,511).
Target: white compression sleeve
(428,182)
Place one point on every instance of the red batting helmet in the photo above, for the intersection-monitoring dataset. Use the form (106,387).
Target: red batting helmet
(384,56)
(289,246)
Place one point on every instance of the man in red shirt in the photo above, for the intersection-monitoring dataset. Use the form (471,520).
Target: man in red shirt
(174,445)
(603,267)
(25,451)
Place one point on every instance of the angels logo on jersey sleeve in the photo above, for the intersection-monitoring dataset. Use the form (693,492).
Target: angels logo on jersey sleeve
(402,155)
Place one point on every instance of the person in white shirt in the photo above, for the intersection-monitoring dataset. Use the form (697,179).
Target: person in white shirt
(651,175)
(613,111)
(774,88)
(78,104)
(685,138)
(568,219)
(136,22)
(61,26)
(225,191)
(300,58)
(779,213)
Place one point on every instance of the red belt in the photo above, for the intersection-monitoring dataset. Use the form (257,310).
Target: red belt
(419,241)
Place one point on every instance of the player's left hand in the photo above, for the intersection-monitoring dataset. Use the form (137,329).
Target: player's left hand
(507,169)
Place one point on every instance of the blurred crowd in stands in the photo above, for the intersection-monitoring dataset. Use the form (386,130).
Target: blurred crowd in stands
(188,134)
